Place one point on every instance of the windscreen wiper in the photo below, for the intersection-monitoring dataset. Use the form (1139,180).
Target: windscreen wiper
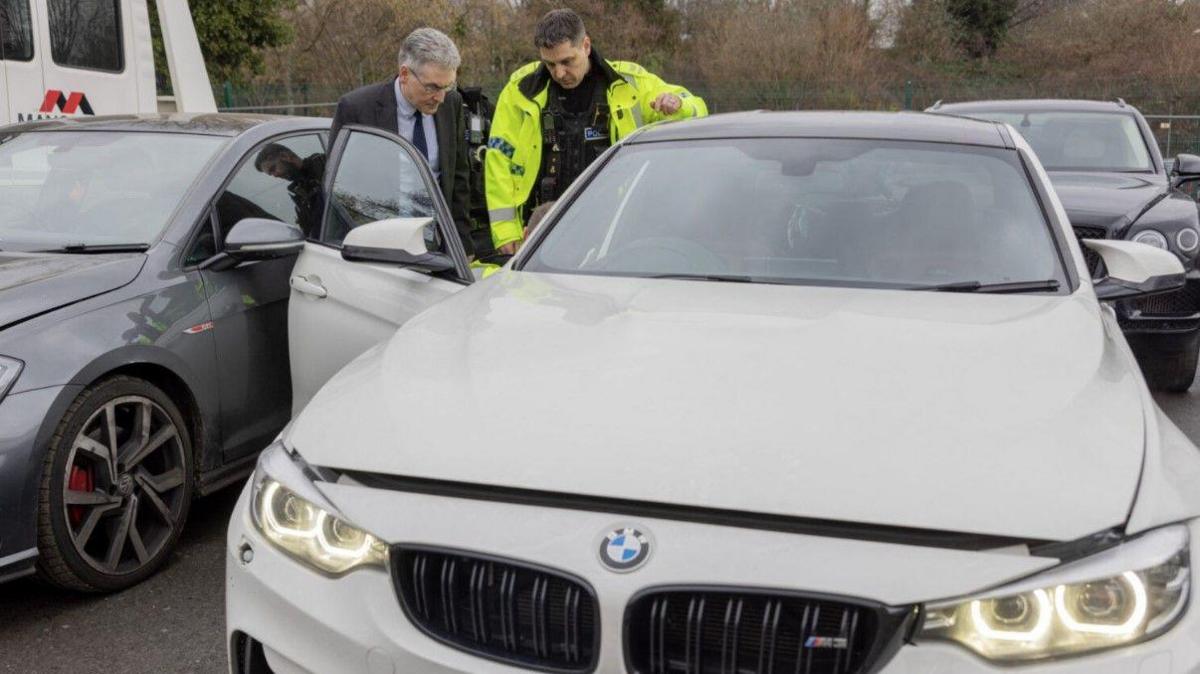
(724,278)
(998,288)
(85,248)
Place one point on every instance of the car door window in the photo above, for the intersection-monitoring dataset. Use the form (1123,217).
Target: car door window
(86,34)
(376,180)
(205,244)
(16,31)
(278,180)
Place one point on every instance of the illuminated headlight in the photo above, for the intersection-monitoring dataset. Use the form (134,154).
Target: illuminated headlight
(311,534)
(1188,239)
(1151,237)
(1070,611)
(10,369)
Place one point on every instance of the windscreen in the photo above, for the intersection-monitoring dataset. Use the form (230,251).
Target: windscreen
(92,187)
(852,213)
(1080,141)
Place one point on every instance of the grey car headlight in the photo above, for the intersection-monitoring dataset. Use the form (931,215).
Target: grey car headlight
(1151,237)
(1122,596)
(10,369)
(1188,240)
(290,513)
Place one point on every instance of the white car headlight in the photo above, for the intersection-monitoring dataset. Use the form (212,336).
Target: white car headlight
(308,532)
(1151,237)
(1124,595)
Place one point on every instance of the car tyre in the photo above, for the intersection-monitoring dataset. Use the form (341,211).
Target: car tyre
(1170,372)
(117,483)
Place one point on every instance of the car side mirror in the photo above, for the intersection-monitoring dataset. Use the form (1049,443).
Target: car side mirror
(253,239)
(399,241)
(1186,165)
(1185,168)
(1135,269)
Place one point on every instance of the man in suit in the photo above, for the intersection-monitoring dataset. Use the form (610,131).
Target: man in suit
(423,106)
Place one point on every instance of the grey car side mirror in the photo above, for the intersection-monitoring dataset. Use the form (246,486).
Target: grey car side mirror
(254,239)
(1135,269)
(1185,170)
(263,239)
(1186,166)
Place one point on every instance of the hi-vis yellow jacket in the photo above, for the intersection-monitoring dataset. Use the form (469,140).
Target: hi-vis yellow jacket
(515,147)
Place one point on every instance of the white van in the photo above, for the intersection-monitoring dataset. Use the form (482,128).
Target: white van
(94,57)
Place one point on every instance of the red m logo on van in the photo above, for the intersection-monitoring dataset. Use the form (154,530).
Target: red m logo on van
(69,105)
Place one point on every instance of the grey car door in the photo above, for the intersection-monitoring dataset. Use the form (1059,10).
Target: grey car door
(280,180)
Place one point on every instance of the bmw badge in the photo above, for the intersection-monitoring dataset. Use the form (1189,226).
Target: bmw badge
(624,549)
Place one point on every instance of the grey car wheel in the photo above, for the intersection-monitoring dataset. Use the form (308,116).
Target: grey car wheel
(116,487)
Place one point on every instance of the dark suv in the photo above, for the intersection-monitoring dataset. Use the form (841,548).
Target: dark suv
(1107,170)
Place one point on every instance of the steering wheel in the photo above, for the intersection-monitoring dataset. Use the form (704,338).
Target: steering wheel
(664,254)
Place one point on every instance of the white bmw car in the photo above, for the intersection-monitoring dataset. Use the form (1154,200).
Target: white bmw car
(766,392)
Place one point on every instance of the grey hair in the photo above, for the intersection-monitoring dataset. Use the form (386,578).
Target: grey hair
(426,46)
(558,26)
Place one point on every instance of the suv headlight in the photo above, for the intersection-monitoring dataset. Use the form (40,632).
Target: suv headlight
(1188,239)
(10,369)
(1151,237)
(1122,596)
(308,529)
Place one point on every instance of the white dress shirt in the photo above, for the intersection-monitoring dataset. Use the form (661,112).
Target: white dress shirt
(405,122)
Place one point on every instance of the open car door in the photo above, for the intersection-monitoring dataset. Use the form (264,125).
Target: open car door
(386,250)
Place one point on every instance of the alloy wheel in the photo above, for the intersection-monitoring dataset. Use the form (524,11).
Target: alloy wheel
(123,489)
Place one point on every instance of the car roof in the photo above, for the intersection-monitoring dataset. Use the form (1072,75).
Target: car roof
(904,126)
(211,124)
(1036,105)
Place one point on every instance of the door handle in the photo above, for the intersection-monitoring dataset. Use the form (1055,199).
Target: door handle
(302,285)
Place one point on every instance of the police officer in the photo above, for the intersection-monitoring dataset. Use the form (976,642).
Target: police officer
(304,182)
(557,115)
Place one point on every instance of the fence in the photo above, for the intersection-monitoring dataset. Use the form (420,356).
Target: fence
(1173,116)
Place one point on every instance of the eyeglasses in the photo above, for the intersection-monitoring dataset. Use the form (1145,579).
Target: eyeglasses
(432,89)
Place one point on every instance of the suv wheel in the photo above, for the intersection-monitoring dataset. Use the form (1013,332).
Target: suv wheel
(116,486)
(1171,372)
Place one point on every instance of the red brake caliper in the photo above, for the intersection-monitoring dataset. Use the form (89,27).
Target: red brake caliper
(81,480)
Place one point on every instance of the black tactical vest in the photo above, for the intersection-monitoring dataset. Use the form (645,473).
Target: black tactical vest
(570,143)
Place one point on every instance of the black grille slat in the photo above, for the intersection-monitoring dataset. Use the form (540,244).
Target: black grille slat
(729,631)
(1095,263)
(851,635)
(695,634)
(805,630)
(732,632)
(506,611)
(451,617)
(1177,303)
(509,591)
(541,629)
(837,665)
(658,634)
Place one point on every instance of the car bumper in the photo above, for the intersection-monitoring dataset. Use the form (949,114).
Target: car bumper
(26,422)
(1174,315)
(306,622)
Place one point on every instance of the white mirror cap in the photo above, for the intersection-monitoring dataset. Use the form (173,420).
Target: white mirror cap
(1135,262)
(406,234)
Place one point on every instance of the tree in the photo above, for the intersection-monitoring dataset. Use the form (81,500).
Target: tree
(231,33)
(983,23)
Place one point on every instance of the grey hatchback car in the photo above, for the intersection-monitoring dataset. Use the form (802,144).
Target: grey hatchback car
(143,333)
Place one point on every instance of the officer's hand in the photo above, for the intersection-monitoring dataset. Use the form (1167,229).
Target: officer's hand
(667,104)
(510,248)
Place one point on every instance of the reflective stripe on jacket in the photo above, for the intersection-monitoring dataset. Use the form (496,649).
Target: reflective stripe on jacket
(514,153)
